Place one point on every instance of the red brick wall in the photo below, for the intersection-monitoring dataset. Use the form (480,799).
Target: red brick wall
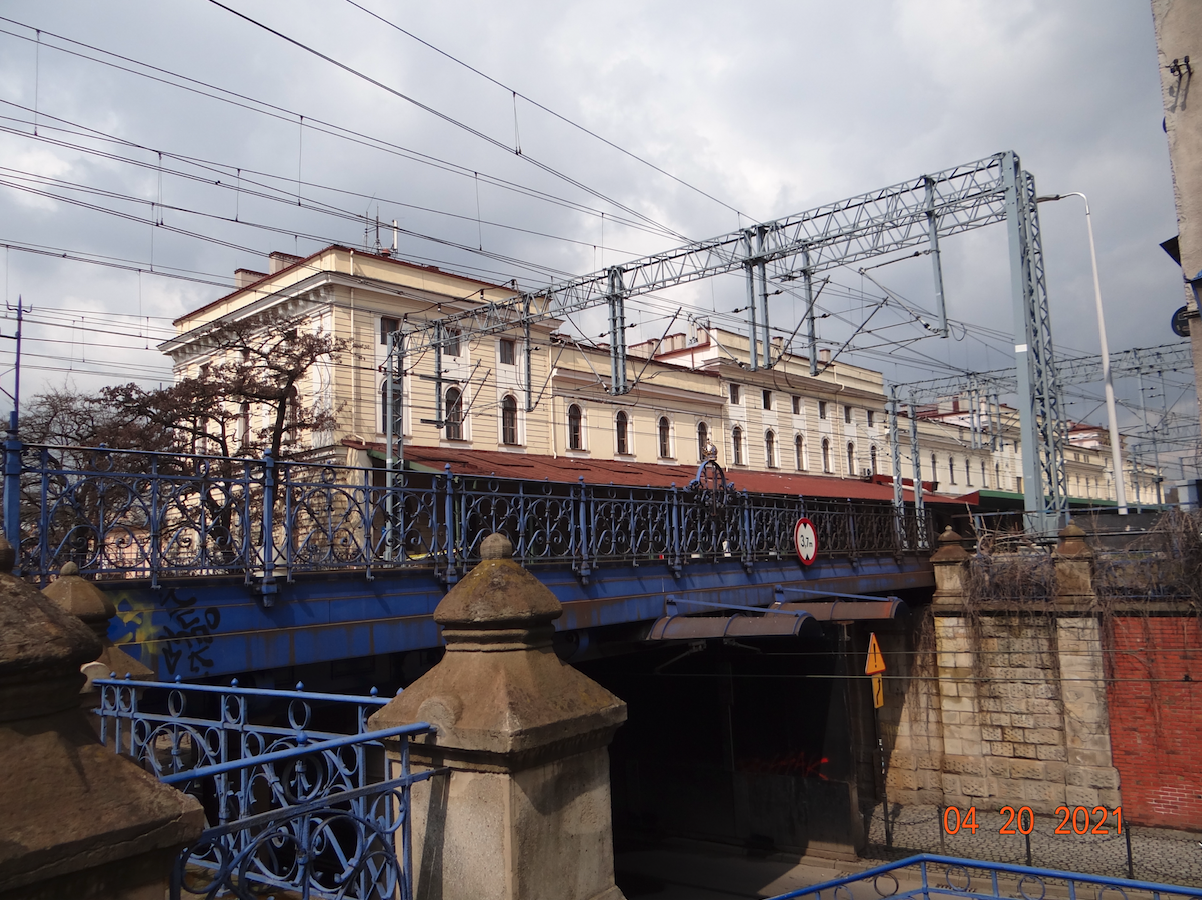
(1156,719)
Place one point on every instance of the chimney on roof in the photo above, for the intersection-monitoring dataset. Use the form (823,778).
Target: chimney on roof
(282,260)
(243,277)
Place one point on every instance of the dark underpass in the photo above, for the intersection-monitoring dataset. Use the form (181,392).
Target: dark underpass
(764,743)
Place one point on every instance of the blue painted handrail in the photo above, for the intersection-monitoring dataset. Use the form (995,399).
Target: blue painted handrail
(313,813)
(137,514)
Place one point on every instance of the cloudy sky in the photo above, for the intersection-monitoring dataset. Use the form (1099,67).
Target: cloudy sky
(183,137)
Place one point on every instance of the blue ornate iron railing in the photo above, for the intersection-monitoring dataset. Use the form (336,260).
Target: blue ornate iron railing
(292,804)
(133,514)
(927,875)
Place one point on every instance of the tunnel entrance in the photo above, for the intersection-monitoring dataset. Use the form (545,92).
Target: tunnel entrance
(764,743)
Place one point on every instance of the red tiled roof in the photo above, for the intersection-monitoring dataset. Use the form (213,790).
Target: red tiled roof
(607,471)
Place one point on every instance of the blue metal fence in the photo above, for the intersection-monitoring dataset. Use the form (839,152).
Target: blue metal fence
(291,804)
(133,514)
(928,875)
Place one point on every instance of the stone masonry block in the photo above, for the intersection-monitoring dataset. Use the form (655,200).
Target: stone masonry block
(1080,796)
(1027,769)
(1043,736)
(964,765)
(1039,706)
(927,761)
(1026,751)
(960,704)
(1110,799)
(991,733)
(998,768)
(902,779)
(974,786)
(1043,792)
(1106,777)
(902,761)
(1054,770)
(1003,749)
(951,784)
(1051,751)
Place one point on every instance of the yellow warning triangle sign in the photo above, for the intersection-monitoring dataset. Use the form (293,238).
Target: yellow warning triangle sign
(876,662)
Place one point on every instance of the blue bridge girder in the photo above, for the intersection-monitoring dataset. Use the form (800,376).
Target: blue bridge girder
(203,627)
(220,566)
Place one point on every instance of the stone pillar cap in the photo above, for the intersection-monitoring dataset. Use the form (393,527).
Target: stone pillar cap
(951,547)
(1072,541)
(500,692)
(75,594)
(41,649)
(497,593)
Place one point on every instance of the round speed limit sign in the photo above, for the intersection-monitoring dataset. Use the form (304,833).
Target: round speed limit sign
(805,539)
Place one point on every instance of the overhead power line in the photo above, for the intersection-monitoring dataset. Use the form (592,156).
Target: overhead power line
(548,110)
(550,170)
(316,124)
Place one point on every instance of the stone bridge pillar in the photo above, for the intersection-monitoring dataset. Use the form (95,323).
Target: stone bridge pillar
(76,819)
(74,594)
(524,812)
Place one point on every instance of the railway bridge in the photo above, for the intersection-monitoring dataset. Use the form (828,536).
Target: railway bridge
(220,566)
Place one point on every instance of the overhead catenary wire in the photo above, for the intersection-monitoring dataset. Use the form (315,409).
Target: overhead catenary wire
(443,116)
(313,123)
(516,93)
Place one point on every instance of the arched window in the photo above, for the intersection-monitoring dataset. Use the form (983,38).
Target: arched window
(665,437)
(509,420)
(984,477)
(621,425)
(826,455)
(872,458)
(703,439)
(799,452)
(736,439)
(951,470)
(575,434)
(967,472)
(997,476)
(454,416)
(770,448)
(934,468)
(851,458)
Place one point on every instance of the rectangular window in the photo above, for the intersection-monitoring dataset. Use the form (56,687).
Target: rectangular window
(451,347)
(796,405)
(871,418)
(387,326)
(767,399)
(734,394)
(506,351)
(847,414)
(822,409)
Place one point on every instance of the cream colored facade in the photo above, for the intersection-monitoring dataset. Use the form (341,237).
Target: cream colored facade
(697,389)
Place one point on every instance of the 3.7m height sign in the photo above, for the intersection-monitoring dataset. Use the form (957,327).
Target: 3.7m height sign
(805,539)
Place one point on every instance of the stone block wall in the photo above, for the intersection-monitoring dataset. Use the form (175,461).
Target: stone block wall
(1013,710)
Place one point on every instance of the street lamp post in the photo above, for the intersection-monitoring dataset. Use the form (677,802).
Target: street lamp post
(1115,446)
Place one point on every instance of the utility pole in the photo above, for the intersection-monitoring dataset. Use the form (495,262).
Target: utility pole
(12,447)
(15,396)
